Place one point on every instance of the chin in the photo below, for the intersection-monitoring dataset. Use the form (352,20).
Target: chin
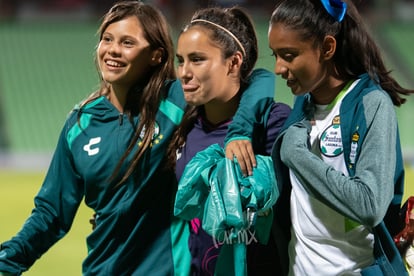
(191,100)
(298,92)
(193,103)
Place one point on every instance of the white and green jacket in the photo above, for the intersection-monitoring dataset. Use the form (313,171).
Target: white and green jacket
(372,152)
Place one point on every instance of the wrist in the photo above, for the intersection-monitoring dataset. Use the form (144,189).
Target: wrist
(237,138)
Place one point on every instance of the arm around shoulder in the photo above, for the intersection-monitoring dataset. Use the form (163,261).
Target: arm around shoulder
(255,100)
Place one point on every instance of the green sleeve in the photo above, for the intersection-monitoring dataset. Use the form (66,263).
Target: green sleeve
(55,208)
(255,100)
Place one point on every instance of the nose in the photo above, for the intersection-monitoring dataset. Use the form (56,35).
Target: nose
(280,68)
(184,71)
(114,49)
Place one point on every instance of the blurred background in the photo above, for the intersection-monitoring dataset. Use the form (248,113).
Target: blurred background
(47,66)
(47,50)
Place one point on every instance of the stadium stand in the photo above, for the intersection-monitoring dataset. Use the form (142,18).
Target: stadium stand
(48,67)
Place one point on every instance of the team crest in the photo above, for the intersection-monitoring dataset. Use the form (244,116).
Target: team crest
(156,138)
(331,139)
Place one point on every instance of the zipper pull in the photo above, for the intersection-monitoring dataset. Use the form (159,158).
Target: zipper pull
(121,118)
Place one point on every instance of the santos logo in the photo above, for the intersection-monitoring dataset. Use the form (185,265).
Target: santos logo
(89,147)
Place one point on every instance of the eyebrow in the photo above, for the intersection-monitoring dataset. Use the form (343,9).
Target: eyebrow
(124,36)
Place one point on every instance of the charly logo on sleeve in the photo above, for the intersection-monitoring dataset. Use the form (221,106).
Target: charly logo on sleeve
(331,139)
(91,147)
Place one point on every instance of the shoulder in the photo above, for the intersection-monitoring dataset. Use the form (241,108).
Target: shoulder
(174,93)
(378,105)
(279,111)
(366,96)
(372,97)
(282,108)
(369,107)
(368,92)
(377,97)
(95,107)
(262,74)
(81,115)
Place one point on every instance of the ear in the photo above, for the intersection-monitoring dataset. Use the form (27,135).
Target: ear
(328,47)
(156,56)
(235,62)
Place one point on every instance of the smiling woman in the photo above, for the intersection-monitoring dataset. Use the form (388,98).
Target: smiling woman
(340,154)
(111,155)
(99,156)
(123,54)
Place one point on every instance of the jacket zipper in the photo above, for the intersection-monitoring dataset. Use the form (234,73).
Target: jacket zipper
(121,118)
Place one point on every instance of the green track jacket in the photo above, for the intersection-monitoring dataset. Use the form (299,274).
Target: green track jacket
(136,233)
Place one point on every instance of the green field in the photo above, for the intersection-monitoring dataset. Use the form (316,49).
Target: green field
(16,200)
(65,258)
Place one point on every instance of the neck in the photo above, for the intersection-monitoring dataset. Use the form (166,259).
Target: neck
(217,112)
(327,93)
(117,96)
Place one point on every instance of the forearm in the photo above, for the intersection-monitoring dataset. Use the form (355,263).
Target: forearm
(365,196)
(40,231)
(55,207)
(255,100)
(354,197)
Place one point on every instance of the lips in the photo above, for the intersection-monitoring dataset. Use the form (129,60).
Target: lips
(290,82)
(189,87)
(114,63)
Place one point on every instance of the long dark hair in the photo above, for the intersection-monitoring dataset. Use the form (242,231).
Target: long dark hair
(239,23)
(356,52)
(144,97)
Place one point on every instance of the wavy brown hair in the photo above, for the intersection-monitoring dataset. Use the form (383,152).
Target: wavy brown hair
(144,97)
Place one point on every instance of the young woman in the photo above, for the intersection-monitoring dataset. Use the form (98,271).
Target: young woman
(339,157)
(111,153)
(216,53)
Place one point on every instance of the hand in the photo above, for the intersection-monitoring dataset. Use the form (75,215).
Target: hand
(243,151)
(296,137)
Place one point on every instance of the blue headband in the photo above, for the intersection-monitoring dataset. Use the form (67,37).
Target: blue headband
(336,8)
